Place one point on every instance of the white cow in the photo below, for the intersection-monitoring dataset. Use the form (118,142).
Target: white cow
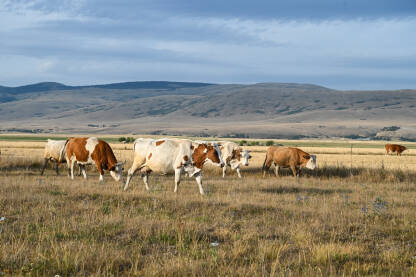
(171,155)
(234,156)
(55,152)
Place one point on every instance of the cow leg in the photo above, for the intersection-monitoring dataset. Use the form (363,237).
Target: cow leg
(100,170)
(130,174)
(82,169)
(224,170)
(72,168)
(238,171)
(44,166)
(198,179)
(57,168)
(145,178)
(294,171)
(266,166)
(276,170)
(178,172)
(68,163)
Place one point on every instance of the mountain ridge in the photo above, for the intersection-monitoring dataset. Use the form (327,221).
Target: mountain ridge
(48,86)
(266,109)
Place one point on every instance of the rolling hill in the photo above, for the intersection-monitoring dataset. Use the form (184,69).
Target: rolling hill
(272,110)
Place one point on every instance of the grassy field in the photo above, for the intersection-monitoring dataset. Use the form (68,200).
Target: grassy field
(353,215)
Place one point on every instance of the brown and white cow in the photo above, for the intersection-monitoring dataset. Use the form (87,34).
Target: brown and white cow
(171,155)
(291,157)
(233,156)
(395,148)
(92,150)
(55,152)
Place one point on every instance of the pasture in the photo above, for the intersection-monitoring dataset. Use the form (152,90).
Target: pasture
(353,215)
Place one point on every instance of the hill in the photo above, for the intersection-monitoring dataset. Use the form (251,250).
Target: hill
(278,110)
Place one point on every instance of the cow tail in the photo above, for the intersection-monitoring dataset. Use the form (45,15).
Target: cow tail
(63,151)
(264,163)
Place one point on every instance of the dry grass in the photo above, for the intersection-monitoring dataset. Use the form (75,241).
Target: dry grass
(332,221)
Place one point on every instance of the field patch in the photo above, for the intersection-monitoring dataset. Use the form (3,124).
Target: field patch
(353,215)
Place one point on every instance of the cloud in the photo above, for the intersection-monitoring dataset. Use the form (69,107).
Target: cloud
(84,42)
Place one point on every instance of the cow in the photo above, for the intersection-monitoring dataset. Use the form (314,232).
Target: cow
(171,155)
(395,148)
(291,157)
(91,150)
(54,152)
(233,156)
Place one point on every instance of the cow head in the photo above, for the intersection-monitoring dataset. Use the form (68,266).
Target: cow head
(214,154)
(239,156)
(311,164)
(245,157)
(117,171)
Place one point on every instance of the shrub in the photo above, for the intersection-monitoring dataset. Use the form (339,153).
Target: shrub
(129,139)
(269,143)
(242,143)
(121,139)
(254,143)
(391,128)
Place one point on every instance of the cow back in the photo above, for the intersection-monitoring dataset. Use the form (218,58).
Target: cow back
(77,147)
(162,155)
(104,155)
(287,156)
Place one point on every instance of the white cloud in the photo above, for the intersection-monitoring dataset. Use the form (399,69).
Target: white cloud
(65,43)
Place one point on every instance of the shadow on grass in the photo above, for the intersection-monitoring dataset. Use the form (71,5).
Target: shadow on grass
(356,173)
(291,189)
(326,171)
(360,174)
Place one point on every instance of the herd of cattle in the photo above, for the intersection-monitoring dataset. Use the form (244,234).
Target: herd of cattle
(176,156)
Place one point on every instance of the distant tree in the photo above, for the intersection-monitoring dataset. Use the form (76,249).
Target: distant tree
(269,143)
(254,143)
(129,139)
(391,128)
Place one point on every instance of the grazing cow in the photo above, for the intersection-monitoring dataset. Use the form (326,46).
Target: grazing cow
(92,150)
(171,155)
(395,148)
(55,152)
(233,156)
(293,158)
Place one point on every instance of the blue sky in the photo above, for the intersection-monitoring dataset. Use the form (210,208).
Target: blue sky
(340,44)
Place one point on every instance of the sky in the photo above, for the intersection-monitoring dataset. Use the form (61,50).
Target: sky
(341,44)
